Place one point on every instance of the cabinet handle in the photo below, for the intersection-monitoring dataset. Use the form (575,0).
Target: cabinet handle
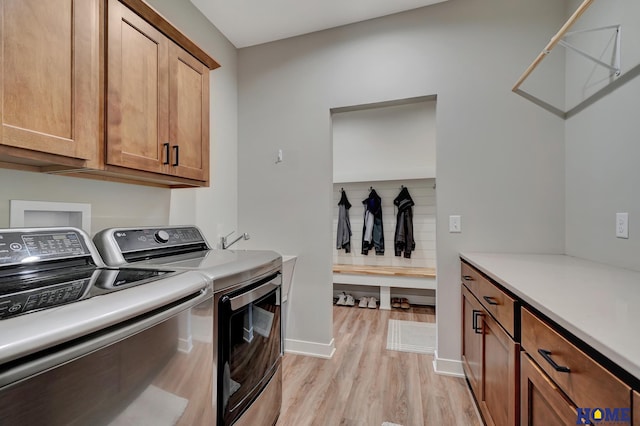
(166,153)
(547,356)
(467,277)
(476,327)
(490,300)
(176,153)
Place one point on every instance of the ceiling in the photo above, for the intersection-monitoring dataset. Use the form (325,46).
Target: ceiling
(250,22)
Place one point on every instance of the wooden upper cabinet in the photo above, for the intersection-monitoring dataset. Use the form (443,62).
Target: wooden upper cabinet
(157,100)
(50,78)
(102,87)
(138,92)
(188,115)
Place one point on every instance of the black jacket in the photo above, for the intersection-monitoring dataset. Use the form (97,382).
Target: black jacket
(344,225)
(403,240)
(372,232)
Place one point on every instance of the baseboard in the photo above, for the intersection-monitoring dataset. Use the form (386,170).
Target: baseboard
(185,345)
(318,350)
(447,367)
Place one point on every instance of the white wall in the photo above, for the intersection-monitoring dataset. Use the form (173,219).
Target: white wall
(213,209)
(603,147)
(385,143)
(500,159)
(112,204)
(422,193)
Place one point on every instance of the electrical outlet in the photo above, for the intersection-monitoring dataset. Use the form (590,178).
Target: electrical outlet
(622,225)
(455,224)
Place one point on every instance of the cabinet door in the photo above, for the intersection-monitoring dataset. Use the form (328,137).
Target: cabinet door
(636,408)
(471,340)
(188,115)
(138,92)
(542,403)
(50,76)
(500,360)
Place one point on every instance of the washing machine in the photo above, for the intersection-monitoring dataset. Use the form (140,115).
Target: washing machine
(247,322)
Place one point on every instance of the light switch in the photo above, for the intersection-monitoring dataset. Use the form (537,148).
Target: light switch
(622,225)
(455,224)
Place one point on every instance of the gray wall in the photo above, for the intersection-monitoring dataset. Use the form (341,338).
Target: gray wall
(213,209)
(603,145)
(500,159)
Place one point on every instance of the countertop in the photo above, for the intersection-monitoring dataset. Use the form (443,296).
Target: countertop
(597,303)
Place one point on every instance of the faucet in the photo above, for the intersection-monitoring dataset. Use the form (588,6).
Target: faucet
(225,245)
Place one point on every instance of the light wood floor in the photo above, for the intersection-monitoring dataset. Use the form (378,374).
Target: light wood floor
(365,384)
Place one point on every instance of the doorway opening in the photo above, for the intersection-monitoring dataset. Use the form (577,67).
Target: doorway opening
(384,162)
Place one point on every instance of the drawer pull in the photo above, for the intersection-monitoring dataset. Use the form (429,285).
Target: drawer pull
(490,300)
(547,356)
(166,153)
(176,151)
(467,277)
(476,327)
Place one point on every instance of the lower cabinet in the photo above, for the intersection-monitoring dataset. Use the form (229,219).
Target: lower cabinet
(541,402)
(490,360)
(583,380)
(500,360)
(531,372)
(471,340)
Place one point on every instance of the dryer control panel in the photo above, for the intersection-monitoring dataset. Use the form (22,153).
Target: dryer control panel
(121,246)
(129,240)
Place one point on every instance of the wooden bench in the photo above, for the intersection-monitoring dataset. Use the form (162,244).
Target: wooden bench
(385,277)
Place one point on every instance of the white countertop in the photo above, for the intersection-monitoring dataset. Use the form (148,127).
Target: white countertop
(597,303)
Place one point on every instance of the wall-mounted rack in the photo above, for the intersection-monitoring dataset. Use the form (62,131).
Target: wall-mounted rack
(616,60)
(560,39)
(554,41)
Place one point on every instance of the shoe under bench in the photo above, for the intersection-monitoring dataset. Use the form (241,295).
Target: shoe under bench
(385,277)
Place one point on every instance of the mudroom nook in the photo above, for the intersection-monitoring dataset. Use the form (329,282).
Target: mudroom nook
(384,204)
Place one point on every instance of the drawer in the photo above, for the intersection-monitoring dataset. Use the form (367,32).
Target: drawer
(583,380)
(500,305)
(541,402)
(470,277)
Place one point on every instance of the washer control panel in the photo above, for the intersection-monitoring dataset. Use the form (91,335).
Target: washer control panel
(41,298)
(20,247)
(130,240)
